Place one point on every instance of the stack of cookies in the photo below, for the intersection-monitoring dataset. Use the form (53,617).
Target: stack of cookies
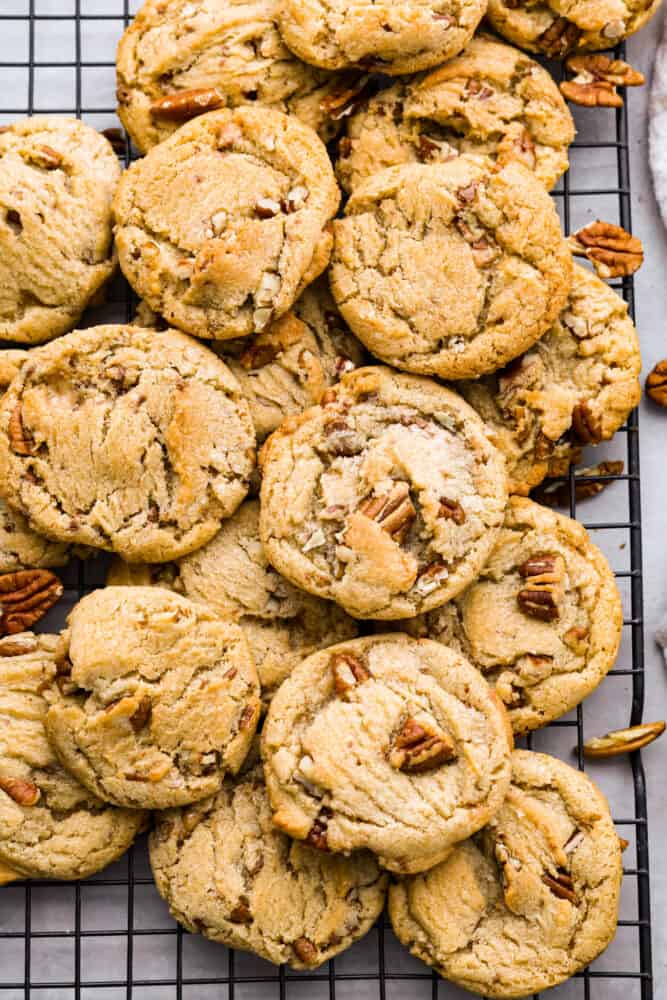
(311,657)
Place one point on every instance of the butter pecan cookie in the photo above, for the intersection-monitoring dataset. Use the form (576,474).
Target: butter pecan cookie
(57,181)
(181,58)
(228,873)
(388,37)
(163,698)
(131,440)
(50,825)
(555,28)
(492,100)
(387,498)
(576,386)
(543,621)
(530,900)
(232,575)
(450,269)
(386,743)
(221,226)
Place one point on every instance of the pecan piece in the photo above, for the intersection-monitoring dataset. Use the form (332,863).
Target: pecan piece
(21,440)
(556,492)
(613,252)
(186,104)
(25,597)
(24,793)
(420,746)
(393,511)
(585,424)
(348,671)
(141,714)
(346,99)
(18,645)
(317,835)
(656,384)
(258,355)
(241,913)
(305,950)
(452,510)
(576,639)
(116,138)
(543,593)
(596,78)
(560,38)
(561,885)
(620,741)
(46,157)
(249,717)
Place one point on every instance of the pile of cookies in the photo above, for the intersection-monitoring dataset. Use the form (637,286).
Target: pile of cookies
(311,657)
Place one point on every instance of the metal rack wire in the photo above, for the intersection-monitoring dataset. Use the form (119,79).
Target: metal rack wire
(110,937)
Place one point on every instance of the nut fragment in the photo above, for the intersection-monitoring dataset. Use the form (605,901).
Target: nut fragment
(18,645)
(296,199)
(452,510)
(543,594)
(21,440)
(560,38)
(596,78)
(249,717)
(348,671)
(585,424)
(25,597)
(186,104)
(305,950)
(561,885)
(24,793)
(317,836)
(613,252)
(556,492)
(141,714)
(393,511)
(241,914)
(346,99)
(620,741)
(420,746)
(46,157)
(266,208)
(656,384)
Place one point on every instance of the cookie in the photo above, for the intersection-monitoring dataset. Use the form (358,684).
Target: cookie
(182,58)
(164,698)
(492,101)
(387,498)
(543,621)
(554,29)
(57,180)
(450,269)
(577,385)
(386,743)
(232,575)
(50,825)
(530,900)
(131,440)
(229,874)
(221,226)
(387,37)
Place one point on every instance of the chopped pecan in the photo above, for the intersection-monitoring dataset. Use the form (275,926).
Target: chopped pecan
(452,510)
(296,199)
(241,913)
(656,384)
(543,594)
(24,793)
(574,841)
(576,639)
(305,950)
(20,439)
(612,251)
(186,104)
(561,885)
(141,714)
(556,492)
(348,671)
(249,717)
(420,746)
(259,354)
(467,194)
(18,645)
(345,99)
(266,208)
(484,252)
(585,424)
(116,138)
(393,511)
(620,741)
(596,78)
(317,835)
(560,38)
(623,844)
(46,157)
(25,597)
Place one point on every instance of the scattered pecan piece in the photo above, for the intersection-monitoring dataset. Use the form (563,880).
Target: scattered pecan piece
(348,671)
(596,78)
(393,511)
(305,950)
(543,593)
(25,597)
(317,836)
(186,104)
(420,747)
(24,793)
(656,384)
(20,439)
(613,252)
(452,510)
(620,741)
(560,38)
(585,424)
(141,714)
(556,492)
(561,885)
(346,99)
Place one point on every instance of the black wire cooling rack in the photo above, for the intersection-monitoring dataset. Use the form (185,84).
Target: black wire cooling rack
(111,937)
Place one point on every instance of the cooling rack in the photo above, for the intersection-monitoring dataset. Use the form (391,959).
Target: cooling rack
(110,937)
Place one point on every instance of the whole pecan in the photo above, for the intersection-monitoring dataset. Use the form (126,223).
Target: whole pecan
(556,492)
(543,593)
(25,597)
(560,38)
(24,793)
(420,746)
(393,511)
(656,384)
(186,104)
(596,78)
(620,741)
(612,251)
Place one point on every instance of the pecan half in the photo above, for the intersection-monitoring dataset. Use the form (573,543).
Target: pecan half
(141,714)
(116,138)
(612,251)
(317,835)
(393,511)
(25,597)
(560,38)
(305,950)
(420,746)
(596,78)
(556,492)
(186,104)
(452,510)
(543,593)
(24,793)
(620,741)
(21,440)
(561,885)
(585,424)
(656,384)
(348,671)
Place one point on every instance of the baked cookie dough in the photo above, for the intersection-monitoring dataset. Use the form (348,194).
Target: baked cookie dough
(50,825)
(181,58)
(387,498)
(164,698)
(228,873)
(387,37)
(530,900)
(555,28)
(232,575)
(450,269)
(492,101)
(386,743)
(543,621)
(222,226)
(57,181)
(126,439)
(577,385)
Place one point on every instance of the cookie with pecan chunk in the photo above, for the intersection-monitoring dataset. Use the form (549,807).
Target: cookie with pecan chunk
(386,743)
(530,900)
(386,498)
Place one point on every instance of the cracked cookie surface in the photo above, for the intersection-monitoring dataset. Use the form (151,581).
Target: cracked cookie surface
(543,621)
(530,900)
(232,575)
(221,226)
(132,440)
(492,100)
(50,825)
(184,57)
(164,698)
(228,873)
(386,37)
(450,269)
(577,385)
(57,181)
(386,743)
(387,498)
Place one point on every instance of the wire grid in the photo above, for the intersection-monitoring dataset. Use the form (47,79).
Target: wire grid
(110,936)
